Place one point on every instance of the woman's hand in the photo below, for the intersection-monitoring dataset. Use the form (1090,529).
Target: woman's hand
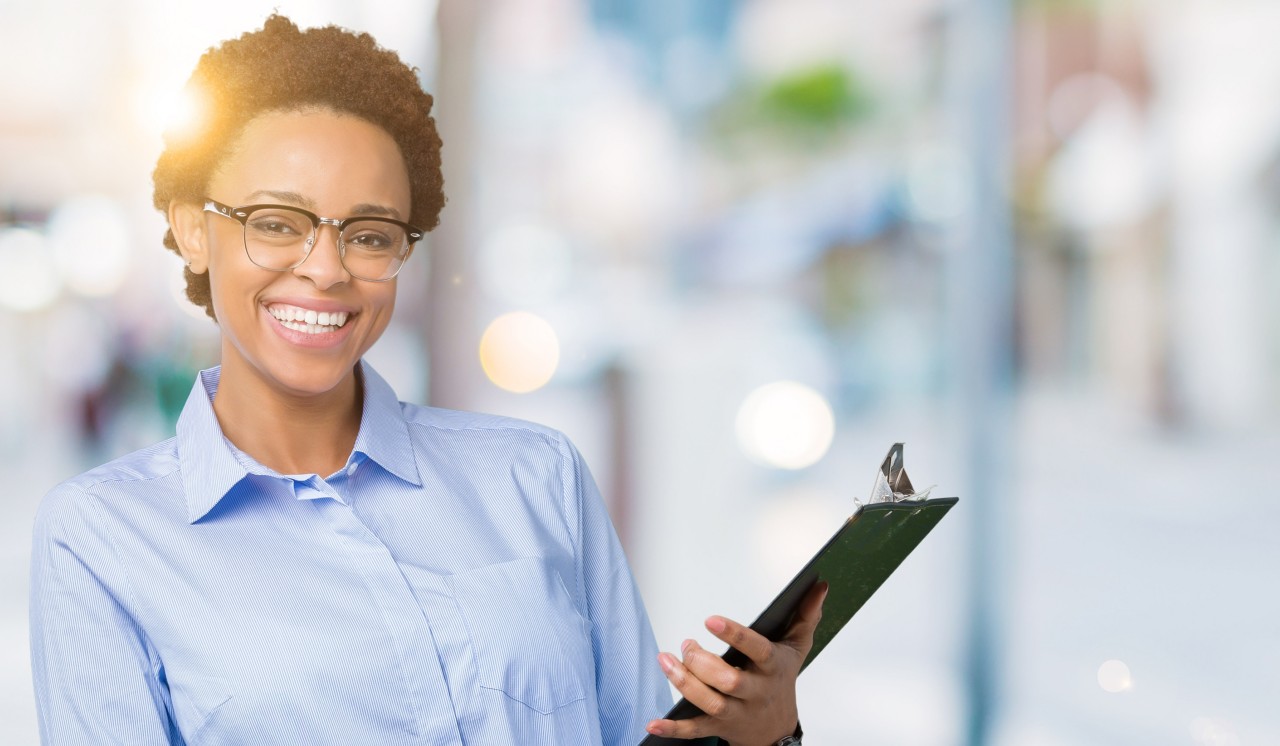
(744,706)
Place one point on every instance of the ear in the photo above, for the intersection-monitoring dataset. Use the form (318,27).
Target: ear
(187,221)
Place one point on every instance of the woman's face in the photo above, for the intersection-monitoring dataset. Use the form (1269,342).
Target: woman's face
(336,166)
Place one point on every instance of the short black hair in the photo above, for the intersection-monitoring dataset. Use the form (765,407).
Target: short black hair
(282,68)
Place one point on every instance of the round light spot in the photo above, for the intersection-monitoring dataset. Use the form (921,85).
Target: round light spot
(785,424)
(1113,676)
(29,281)
(165,109)
(519,352)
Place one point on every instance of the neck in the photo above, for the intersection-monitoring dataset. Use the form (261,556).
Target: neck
(286,431)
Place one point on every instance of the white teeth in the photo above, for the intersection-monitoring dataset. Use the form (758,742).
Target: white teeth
(299,326)
(308,321)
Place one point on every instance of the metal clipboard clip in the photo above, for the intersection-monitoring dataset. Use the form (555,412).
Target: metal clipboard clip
(892,484)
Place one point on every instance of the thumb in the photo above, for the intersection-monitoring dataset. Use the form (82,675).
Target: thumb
(800,634)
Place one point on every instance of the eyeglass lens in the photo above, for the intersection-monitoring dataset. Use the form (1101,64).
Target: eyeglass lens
(279,238)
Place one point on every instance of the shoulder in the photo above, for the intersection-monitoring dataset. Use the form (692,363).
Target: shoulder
(144,465)
(476,426)
(127,475)
(492,448)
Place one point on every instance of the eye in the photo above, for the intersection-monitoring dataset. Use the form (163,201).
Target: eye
(370,240)
(272,226)
(374,237)
(277,224)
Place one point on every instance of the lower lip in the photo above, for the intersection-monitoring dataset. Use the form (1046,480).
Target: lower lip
(313,341)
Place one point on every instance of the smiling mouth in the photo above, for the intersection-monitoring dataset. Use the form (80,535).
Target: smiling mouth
(308,321)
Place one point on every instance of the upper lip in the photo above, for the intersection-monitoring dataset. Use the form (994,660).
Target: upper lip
(311,304)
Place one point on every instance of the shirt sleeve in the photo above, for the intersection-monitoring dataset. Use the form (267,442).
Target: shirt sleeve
(630,687)
(97,681)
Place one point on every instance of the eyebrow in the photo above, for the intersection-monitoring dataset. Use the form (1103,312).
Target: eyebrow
(294,198)
(366,208)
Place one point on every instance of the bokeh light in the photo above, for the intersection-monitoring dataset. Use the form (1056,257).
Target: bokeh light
(1114,676)
(615,175)
(167,108)
(90,240)
(785,424)
(519,352)
(29,281)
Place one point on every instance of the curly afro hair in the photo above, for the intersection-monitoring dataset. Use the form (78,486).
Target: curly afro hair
(281,68)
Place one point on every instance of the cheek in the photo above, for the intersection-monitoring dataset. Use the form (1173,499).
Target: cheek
(217,294)
(381,307)
(383,295)
(231,284)
(386,304)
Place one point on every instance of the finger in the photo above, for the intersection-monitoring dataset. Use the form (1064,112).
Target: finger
(698,727)
(692,688)
(745,640)
(800,634)
(713,671)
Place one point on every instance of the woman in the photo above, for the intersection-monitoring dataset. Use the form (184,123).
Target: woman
(310,560)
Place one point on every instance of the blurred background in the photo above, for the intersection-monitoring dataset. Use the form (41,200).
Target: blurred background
(737,248)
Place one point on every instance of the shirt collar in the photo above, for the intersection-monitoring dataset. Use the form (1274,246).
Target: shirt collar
(209,464)
(209,467)
(384,435)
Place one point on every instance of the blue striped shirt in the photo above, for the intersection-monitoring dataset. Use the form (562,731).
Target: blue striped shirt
(458,582)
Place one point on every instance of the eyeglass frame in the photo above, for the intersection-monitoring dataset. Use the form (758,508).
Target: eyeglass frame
(241,215)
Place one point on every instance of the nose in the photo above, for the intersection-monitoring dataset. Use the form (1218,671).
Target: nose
(323,265)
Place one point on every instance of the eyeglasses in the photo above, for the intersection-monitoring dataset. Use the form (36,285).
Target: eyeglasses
(280,238)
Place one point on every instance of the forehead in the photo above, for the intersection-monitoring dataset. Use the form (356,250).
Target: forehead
(332,158)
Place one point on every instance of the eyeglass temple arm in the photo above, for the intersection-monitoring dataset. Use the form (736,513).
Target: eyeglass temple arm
(221,209)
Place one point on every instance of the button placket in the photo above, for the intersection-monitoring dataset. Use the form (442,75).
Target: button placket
(408,625)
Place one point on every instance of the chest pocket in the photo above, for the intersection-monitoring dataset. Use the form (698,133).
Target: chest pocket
(528,639)
(195,700)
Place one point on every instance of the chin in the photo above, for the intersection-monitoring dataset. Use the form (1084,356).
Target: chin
(311,377)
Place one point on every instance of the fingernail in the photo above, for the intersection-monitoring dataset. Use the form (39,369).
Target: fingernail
(716,624)
(656,729)
(684,647)
(667,662)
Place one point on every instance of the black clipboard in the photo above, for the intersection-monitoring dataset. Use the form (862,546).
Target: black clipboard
(855,562)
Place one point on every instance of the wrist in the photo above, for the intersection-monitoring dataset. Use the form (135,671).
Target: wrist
(793,739)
